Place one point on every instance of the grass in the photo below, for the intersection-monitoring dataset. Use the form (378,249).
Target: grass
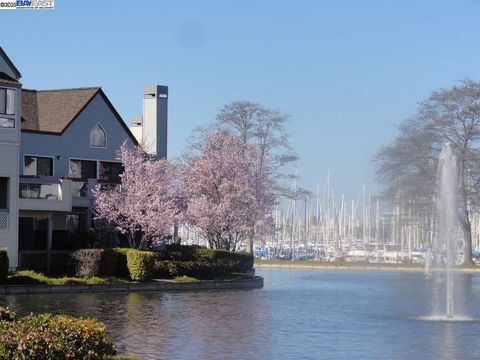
(185,279)
(30,277)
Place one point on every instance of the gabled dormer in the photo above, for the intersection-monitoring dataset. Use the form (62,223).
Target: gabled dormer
(10,100)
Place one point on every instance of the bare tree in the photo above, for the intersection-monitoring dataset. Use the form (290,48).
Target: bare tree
(409,165)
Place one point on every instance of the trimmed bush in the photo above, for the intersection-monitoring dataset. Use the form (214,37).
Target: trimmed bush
(87,262)
(200,263)
(140,264)
(242,262)
(238,262)
(114,263)
(177,252)
(46,336)
(196,269)
(118,262)
(3,264)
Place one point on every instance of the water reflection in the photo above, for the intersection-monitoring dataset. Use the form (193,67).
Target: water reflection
(307,314)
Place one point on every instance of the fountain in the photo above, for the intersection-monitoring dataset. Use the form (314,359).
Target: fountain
(444,248)
(447,225)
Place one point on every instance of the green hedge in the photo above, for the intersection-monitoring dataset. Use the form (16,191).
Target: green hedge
(47,336)
(114,263)
(140,264)
(3,265)
(177,252)
(125,263)
(200,263)
(176,260)
(241,262)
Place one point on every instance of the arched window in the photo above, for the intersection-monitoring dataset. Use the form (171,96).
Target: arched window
(98,137)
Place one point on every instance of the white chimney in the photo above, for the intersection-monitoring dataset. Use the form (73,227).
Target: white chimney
(151,129)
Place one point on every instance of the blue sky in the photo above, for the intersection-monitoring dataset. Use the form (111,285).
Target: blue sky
(347,72)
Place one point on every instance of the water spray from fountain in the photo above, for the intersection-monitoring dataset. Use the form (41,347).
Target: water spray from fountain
(447,220)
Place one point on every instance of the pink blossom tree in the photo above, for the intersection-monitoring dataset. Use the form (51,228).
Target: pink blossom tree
(149,202)
(221,186)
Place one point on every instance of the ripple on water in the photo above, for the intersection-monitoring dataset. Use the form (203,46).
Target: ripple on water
(444,318)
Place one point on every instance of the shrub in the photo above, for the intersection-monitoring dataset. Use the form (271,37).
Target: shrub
(6,314)
(240,262)
(196,269)
(161,268)
(3,264)
(140,264)
(201,263)
(117,262)
(178,252)
(87,262)
(47,336)
(114,263)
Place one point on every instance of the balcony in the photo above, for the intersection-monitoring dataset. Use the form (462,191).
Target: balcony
(81,190)
(45,193)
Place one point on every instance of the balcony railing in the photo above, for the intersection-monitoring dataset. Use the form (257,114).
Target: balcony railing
(40,191)
(79,189)
(44,193)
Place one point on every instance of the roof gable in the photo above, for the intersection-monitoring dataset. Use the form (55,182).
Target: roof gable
(53,111)
(10,64)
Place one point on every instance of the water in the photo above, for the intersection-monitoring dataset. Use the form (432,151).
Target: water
(300,314)
(447,224)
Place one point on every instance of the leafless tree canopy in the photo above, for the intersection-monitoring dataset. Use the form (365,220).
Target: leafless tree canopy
(408,166)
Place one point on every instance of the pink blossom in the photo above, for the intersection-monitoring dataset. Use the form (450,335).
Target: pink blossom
(148,202)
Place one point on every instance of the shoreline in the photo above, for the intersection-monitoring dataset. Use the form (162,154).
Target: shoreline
(286,264)
(154,285)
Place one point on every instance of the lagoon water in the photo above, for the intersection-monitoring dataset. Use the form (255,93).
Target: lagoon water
(299,314)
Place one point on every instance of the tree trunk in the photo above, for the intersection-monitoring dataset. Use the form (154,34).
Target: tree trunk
(249,244)
(467,238)
(465,223)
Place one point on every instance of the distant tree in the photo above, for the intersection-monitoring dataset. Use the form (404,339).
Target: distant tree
(409,165)
(149,202)
(220,186)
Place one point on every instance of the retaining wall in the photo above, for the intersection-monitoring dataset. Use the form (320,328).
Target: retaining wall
(155,285)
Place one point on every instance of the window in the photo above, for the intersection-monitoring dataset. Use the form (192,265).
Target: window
(3,193)
(110,171)
(83,169)
(38,166)
(76,222)
(7,122)
(7,108)
(98,137)
(7,101)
